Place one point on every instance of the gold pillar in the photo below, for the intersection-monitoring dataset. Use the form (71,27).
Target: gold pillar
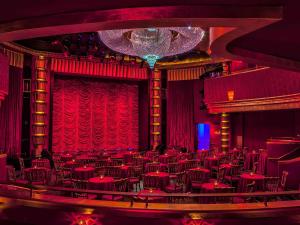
(155,108)
(225,131)
(40,105)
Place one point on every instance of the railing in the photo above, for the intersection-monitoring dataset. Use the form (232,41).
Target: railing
(132,197)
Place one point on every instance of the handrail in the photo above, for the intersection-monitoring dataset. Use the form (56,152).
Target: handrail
(290,152)
(192,195)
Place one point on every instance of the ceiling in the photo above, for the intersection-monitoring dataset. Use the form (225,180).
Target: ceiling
(267,31)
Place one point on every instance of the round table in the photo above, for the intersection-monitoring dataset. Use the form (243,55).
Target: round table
(211,161)
(101,183)
(71,164)
(150,191)
(124,170)
(66,157)
(247,178)
(161,179)
(211,187)
(84,173)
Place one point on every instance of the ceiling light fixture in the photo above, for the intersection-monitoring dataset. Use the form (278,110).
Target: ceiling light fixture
(152,44)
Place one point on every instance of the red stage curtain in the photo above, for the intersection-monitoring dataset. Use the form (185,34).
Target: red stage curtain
(94,115)
(11,114)
(180,114)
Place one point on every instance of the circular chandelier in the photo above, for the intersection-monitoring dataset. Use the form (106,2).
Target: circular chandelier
(152,44)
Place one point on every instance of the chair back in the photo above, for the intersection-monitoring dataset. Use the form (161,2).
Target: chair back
(37,175)
(80,184)
(113,171)
(250,187)
(181,178)
(151,182)
(41,163)
(283,179)
(190,164)
(121,185)
(11,173)
(173,168)
(196,176)
(152,167)
(221,174)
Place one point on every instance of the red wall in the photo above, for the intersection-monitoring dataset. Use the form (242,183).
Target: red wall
(257,127)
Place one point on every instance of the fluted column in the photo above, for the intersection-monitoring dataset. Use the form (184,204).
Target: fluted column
(225,131)
(40,105)
(155,108)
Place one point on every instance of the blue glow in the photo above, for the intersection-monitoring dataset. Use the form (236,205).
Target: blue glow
(203,134)
(151,60)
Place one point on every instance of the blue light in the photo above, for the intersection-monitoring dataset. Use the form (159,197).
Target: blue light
(203,134)
(151,60)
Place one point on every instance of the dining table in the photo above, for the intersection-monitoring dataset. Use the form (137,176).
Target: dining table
(105,183)
(84,173)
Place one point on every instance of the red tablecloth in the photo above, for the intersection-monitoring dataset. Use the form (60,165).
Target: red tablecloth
(66,157)
(200,169)
(157,179)
(150,191)
(211,187)
(104,183)
(84,173)
(166,158)
(247,178)
(71,164)
(211,161)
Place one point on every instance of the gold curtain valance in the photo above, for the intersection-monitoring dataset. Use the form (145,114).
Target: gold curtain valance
(185,74)
(15,58)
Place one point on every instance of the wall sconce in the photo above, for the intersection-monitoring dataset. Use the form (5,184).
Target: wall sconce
(230,95)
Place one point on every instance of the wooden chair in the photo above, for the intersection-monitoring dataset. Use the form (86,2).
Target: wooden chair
(195,179)
(113,171)
(152,167)
(283,180)
(272,184)
(22,167)
(134,176)
(81,185)
(12,177)
(119,186)
(179,184)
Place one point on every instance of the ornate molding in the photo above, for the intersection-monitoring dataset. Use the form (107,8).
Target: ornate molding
(291,101)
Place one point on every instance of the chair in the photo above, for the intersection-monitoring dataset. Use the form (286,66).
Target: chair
(283,180)
(134,175)
(41,163)
(173,169)
(190,164)
(82,185)
(22,167)
(113,171)
(272,184)
(36,176)
(196,178)
(11,176)
(152,167)
(179,184)
(234,175)
(119,186)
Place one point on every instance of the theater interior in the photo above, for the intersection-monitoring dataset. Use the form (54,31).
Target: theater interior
(150,112)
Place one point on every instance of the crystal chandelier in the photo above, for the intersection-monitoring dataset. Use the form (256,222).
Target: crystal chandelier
(152,44)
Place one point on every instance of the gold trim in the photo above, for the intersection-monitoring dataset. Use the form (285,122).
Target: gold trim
(156,96)
(39,135)
(39,124)
(156,133)
(40,101)
(156,79)
(40,68)
(40,91)
(291,101)
(39,113)
(155,124)
(155,115)
(41,80)
(155,106)
(156,88)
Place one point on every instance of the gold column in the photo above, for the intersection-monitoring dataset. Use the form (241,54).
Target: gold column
(155,108)
(40,105)
(225,131)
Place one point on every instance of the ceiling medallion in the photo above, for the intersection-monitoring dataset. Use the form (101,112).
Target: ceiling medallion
(152,44)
